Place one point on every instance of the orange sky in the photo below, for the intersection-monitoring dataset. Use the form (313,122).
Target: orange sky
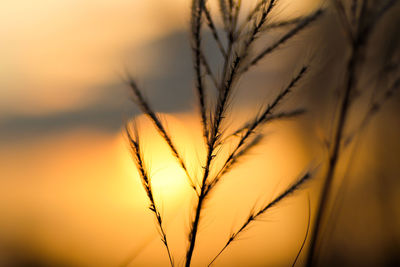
(74,194)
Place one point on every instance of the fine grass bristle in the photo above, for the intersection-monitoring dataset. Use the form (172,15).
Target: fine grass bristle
(254,215)
(149,112)
(134,142)
(301,25)
(235,45)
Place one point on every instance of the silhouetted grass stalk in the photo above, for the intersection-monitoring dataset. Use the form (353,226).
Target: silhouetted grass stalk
(149,112)
(240,38)
(146,182)
(219,114)
(256,214)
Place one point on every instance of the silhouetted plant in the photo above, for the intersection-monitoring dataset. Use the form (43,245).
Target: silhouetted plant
(359,18)
(235,45)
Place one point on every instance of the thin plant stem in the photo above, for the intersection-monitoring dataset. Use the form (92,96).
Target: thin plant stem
(358,45)
(197,11)
(252,127)
(211,25)
(255,215)
(303,24)
(146,182)
(374,108)
(207,67)
(148,111)
(334,156)
(213,141)
(307,231)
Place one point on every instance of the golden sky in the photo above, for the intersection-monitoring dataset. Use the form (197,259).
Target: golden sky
(76,197)
(74,194)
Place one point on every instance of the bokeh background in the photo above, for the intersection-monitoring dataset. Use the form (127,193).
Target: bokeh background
(70,194)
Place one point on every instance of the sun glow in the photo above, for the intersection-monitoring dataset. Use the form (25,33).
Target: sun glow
(75,194)
(168,180)
(95,182)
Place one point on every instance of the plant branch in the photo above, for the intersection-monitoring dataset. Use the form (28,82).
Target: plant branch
(251,16)
(146,182)
(197,10)
(303,24)
(148,111)
(334,155)
(207,67)
(219,114)
(211,25)
(270,118)
(255,215)
(253,126)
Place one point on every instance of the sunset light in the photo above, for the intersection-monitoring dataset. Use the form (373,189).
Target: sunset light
(199,133)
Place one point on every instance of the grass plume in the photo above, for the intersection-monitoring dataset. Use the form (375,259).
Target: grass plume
(149,112)
(134,142)
(235,46)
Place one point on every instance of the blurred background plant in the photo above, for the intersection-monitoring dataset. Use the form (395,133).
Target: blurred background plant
(366,88)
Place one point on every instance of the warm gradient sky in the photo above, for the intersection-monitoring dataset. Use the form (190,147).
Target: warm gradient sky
(56,54)
(68,190)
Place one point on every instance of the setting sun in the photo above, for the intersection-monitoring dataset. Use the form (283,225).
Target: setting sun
(199,133)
